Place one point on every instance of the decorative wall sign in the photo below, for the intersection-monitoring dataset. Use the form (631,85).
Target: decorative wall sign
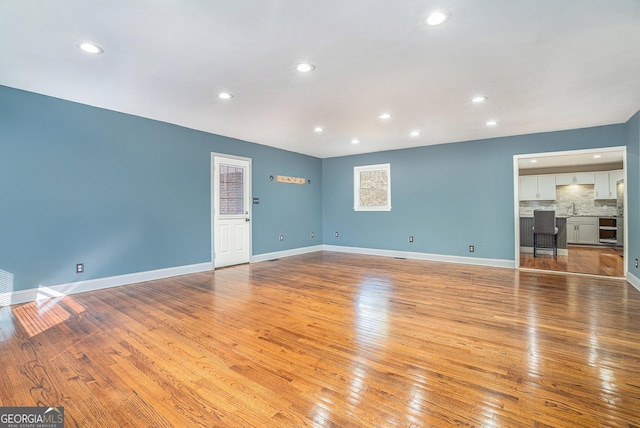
(292,180)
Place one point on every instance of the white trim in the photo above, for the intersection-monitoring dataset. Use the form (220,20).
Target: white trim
(286,253)
(33,294)
(633,280)
(516,190)
(423,256)
(625,226)
(516,209)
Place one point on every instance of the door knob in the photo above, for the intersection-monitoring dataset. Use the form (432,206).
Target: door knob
(247,219)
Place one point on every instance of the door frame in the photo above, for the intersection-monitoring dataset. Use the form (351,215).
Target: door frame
(516,193)
(212,197)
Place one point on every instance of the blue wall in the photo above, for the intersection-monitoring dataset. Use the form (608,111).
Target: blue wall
(447,196)
(633,190)
(125,194)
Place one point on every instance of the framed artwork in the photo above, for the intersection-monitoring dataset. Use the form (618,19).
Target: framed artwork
(372,187)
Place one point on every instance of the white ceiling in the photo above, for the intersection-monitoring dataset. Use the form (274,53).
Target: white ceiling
(544,65)
(586,158)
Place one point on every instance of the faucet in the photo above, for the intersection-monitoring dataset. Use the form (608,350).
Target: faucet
(573,208)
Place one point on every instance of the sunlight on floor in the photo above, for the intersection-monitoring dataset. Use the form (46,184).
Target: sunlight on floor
(41,315)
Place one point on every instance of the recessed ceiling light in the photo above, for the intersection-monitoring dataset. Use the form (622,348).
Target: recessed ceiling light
(415,133)
(437,18)
(492,123)
(533,160)
(355,141)
(478,99)
(318,129)
(305,67)
(597,156)
(225,95)
(385,116)
(90,48)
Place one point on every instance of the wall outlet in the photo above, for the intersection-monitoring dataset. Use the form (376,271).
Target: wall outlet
(281,237)
(410,238)
(336,234)
(312,235)
(636,262)
(472,248)
(79,267)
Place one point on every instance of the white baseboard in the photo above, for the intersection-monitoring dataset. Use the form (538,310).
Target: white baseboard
(287,253)
(510,264)
(633,280)
(47,292)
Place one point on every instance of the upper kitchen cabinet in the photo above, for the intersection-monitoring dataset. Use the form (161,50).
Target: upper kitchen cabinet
(605,184)
(578,178)
(601,189)
(537,188)
(614,177)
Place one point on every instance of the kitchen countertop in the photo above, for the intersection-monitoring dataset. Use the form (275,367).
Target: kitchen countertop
(558,216)
(593,215)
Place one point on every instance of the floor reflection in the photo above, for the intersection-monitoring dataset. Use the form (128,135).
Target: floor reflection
(372,310)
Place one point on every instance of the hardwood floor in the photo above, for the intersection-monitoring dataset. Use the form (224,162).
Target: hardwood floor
(330,339)
(603,261)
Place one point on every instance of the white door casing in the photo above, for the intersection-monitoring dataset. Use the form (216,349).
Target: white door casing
(231,209)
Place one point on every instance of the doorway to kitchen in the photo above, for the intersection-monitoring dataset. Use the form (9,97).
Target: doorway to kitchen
(585,190)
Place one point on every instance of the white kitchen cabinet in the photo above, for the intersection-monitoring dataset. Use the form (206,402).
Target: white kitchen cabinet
(564,179)
(582,230)
(547,187)
(601,189)
(605,185)
(614,177)
(537,188)
(528,188)
(577,178)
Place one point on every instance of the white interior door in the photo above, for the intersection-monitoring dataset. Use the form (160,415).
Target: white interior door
(231,210)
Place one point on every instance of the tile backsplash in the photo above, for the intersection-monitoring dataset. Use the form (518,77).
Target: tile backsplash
(581,194)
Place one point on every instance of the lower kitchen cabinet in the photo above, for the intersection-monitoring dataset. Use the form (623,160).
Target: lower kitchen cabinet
(582,230)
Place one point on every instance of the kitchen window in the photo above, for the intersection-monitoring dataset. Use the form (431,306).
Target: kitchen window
(372,187)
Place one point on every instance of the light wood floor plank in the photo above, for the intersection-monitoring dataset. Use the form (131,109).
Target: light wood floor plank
(331,339)
(604,261)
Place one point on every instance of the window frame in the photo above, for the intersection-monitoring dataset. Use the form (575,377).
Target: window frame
(242,171)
